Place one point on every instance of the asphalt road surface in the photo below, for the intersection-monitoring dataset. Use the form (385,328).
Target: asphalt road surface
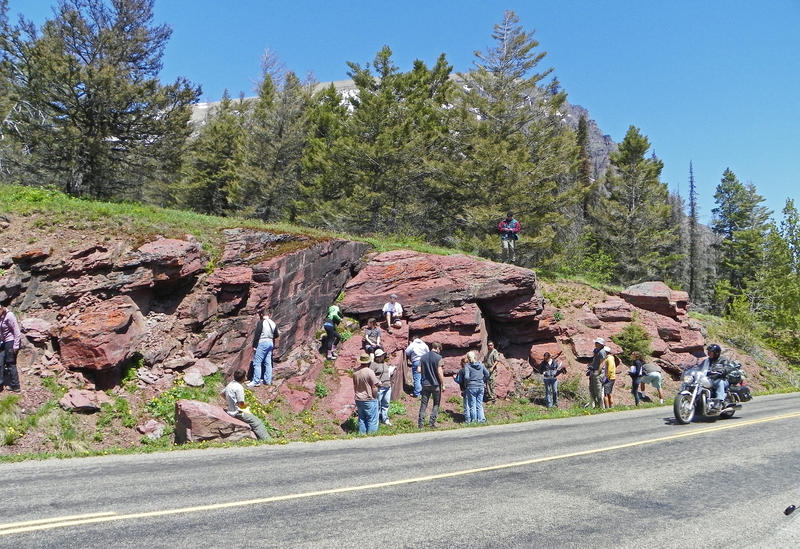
(627,479)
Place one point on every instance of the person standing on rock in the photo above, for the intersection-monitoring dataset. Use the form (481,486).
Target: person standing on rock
(431,365)
(595,373)
(384,372)
(414,352)
(264,342)
(509,234)
(550,369)
(237,407)
(365,388)
(491,360)
(10,338)
(332,337)
(392,311)
(473,376)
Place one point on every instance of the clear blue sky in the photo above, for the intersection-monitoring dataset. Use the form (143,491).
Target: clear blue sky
(716,82)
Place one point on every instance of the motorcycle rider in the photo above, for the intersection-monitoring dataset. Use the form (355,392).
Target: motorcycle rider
(714,367)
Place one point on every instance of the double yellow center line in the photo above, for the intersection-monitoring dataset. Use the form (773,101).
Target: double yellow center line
(92,518)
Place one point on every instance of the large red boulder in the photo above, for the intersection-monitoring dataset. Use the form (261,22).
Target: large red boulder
(613,309)
(102,336)
(658,298)
(81,400)
(198,421)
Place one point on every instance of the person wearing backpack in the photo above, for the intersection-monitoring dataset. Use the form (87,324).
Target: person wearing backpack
(551,369)
(265,340)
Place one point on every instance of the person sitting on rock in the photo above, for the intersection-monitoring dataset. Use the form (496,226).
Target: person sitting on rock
(372,336)
(237,407)
(392,311)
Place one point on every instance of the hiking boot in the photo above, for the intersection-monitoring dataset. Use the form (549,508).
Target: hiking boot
(420,425)
(253,383)
(387,422)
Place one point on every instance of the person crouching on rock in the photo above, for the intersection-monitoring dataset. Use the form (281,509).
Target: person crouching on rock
(332,337)
(237,407)
(372,336)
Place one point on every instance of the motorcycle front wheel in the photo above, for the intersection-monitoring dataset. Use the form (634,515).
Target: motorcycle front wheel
(683,408)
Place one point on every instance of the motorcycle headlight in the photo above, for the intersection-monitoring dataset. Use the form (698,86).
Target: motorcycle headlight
(688,378)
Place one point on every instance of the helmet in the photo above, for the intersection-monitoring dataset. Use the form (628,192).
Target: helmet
(714,348)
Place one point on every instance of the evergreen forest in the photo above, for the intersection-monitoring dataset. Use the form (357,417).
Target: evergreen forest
(427,155)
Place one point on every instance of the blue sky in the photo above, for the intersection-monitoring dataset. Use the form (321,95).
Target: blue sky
(711,81)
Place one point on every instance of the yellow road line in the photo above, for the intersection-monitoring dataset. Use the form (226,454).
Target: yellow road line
(60,522)
(53,519)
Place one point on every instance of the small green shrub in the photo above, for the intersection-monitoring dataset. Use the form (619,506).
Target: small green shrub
(163,405)
(396,408)
(632,338)
(320,390)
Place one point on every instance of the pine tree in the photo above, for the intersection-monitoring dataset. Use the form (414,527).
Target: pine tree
(518,154)
(98,122)
(633,221)
(212,167)
(693,252)
(741,223)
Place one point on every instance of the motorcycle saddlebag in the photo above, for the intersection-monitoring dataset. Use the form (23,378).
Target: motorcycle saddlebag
(743,392)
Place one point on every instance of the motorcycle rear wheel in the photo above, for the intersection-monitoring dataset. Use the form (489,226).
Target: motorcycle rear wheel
(683,409)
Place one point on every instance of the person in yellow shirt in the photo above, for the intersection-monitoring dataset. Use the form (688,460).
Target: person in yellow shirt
(610,365)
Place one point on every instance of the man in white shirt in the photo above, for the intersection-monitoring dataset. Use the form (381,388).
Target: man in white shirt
(237,407)
(265,340)
(415,350)
(392,311)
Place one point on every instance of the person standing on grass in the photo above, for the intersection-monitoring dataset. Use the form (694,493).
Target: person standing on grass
(265,340)
(432,383)
(384,372)
(492,359)
(610,375)
(550,369)
(509,234)
(365,389)
(237,407)
(10,338)
(474,375)
(414,352)
(332,337)
(595,373)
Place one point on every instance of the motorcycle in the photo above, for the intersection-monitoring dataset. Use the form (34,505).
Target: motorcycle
(697,389)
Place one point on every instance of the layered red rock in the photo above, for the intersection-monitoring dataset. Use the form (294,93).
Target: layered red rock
(197,421)
(658,298)
(80,400)
(103,336)
(613,309)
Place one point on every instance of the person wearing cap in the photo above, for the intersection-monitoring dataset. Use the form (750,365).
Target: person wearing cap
(431,364)
(384,373)
(372,336)
(509,234)
(10,338)
(595,373)
(392,311)
(365,388)
(415,350)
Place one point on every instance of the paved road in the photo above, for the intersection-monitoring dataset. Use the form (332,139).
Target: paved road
(629,479)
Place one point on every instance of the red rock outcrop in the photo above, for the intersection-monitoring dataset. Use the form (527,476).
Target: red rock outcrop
(103,336)
(198,421)
(658,298)
(78,400)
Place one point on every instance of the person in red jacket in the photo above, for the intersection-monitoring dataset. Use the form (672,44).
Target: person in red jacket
(509,234)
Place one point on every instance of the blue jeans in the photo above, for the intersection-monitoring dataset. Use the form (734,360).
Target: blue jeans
(384,398)
(551,391)
(720,385)
(367,416)
(262,361)
(473,405)
(416,375)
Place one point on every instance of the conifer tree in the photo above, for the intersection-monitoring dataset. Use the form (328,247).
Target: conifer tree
(97,120)
(633,221)
(212,168)
(741,223)
(693,251)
